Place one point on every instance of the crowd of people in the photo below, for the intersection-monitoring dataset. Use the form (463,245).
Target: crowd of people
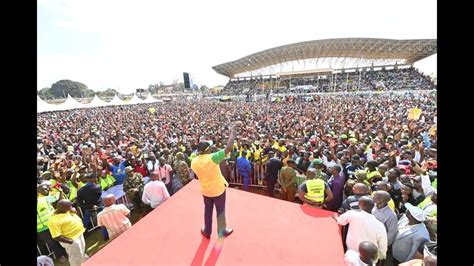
(357,155)
(382,80)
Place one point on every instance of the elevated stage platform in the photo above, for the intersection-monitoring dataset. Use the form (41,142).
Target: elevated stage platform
(267,231)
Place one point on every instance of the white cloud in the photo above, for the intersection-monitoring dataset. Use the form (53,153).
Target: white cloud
(144,42)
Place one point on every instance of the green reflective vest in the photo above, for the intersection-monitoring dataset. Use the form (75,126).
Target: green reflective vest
(44,210)
(106,182)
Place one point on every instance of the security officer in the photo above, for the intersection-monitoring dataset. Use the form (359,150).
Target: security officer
(315,191)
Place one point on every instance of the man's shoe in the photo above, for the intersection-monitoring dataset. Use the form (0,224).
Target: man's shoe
(228,231)
(204,234)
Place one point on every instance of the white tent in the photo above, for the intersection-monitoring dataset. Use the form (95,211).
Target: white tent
(115,101)
(42,106)
(69,104)
(96,102)
(134,100)
(150,99)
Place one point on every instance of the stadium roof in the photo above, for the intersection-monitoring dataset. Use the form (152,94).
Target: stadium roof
(363,48)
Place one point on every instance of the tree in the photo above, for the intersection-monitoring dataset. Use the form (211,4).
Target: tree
(64,87)
(153,88)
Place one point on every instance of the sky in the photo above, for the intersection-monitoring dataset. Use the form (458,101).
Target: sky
(130,44)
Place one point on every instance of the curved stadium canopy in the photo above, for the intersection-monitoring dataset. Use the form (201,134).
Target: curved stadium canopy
(363,48)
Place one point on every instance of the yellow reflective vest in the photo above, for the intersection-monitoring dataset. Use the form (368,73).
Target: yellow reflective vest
(315,189)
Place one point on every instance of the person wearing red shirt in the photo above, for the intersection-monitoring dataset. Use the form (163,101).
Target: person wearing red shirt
(140,167)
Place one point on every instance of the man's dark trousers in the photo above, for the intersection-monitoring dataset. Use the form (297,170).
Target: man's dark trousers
(209,203)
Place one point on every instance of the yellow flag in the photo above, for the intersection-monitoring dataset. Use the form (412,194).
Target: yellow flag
(414,114)
(432,130)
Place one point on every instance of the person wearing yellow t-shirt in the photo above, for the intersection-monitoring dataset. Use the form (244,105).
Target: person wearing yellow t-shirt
(245,147)
(280,145)
(67,228)
(213,184)
(257,159)
(44,211)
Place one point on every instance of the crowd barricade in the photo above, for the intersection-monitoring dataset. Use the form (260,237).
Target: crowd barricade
(257,178)
(92,218)
(48,252)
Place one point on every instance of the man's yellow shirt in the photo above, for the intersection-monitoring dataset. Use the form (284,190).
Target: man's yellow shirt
(66,224)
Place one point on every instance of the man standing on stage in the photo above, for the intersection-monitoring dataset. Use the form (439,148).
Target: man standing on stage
(213,184)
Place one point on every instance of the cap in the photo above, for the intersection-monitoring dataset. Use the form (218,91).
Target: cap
(290,161)
(317,161)
(416,212)
(128,169)
(343,136)
(256,142)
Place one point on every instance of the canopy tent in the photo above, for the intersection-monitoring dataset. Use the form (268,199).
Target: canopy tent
(42,106)
(134,100)
(69,104)
(116,101)
(96,102)
(150,99)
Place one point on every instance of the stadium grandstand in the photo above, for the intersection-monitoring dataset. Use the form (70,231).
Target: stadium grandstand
(331,65)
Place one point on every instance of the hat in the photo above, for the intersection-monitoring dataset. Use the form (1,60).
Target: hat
(256,142)
(45,173)
(290,161)
(416,212)
(128,169)
(317,161)
(343,136)
(353,140)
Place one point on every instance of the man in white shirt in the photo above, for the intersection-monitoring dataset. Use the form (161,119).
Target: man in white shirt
(363,226)
(153,163)
(155,192)
(114,217)
(367,255)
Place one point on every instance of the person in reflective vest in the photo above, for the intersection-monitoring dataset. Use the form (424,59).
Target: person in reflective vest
(106,181)
(314,191)
(373,175)
(44,210)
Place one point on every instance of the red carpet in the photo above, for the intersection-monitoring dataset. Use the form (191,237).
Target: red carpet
(266,232)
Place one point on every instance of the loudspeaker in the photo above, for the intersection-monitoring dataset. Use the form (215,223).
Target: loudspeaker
(187,85)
